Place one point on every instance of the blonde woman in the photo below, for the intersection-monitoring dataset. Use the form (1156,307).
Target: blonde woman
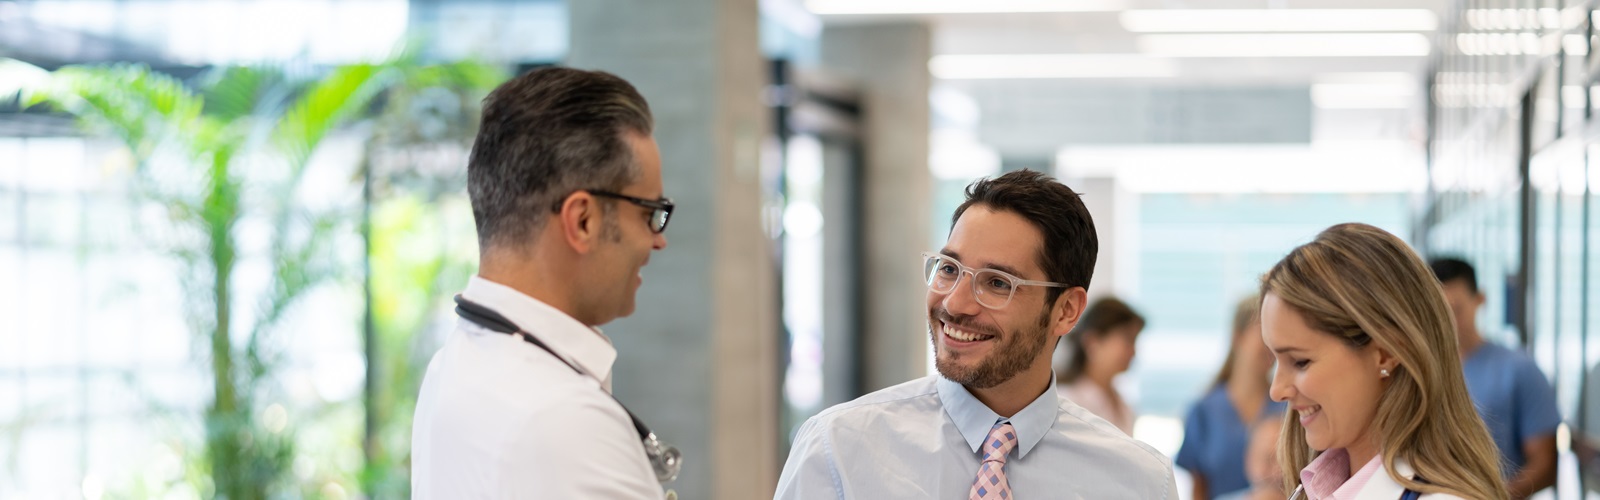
(1367,363)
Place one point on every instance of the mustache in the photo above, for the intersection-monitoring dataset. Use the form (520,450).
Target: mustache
(965,324)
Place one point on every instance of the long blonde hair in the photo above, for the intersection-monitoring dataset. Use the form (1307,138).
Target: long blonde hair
(1366,286)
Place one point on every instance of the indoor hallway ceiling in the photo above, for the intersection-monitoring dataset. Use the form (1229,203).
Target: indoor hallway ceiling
(1359,63)
(1174,41)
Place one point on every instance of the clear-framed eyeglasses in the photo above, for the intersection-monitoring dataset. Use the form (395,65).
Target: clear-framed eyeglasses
(992,288)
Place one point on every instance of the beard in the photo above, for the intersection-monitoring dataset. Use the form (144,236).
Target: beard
(1014,350)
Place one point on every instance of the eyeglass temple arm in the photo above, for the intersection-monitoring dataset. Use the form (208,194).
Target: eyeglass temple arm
(1043,283)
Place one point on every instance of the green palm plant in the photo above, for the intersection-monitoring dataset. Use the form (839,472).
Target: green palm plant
(232,148)
(418,253)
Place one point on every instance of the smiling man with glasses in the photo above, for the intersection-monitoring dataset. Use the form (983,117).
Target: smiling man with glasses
(1011,279)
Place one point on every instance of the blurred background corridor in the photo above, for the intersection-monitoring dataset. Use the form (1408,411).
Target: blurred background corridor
(230,229)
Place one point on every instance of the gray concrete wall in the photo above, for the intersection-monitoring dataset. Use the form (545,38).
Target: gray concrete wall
(697,361)
(1116,222)
(890,62)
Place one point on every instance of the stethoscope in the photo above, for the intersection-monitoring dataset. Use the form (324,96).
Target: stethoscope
(664,458)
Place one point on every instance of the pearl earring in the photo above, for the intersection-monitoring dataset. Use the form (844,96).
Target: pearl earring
(1384,372)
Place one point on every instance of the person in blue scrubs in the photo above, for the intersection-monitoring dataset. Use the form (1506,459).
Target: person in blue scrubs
(1217,430)
(1511,393)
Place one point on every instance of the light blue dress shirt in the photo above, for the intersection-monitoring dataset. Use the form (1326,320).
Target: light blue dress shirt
(920,440)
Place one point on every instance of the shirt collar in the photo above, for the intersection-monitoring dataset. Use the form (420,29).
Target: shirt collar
(1360,482)
(1326,474)
(583,345)
(974,419)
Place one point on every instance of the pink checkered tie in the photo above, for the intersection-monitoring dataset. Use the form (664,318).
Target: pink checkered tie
(991,481)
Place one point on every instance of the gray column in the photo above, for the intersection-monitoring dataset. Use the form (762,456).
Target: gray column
(697,359)
(890,62)
(1114,209)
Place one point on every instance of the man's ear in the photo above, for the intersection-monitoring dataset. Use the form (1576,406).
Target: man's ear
(580,221)
(1067,310)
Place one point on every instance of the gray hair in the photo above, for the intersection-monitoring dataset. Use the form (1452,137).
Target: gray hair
(546,134)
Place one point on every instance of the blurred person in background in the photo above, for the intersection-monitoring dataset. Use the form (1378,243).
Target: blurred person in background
(1367,362)
(566,190)
(1261,463)
(1217,429)
(1512,394)
(1099,349)
(1012,278)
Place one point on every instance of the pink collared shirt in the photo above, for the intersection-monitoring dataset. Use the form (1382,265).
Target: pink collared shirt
(1328,477)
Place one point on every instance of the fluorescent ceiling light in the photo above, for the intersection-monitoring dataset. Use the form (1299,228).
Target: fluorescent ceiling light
(1374,77)
(1320,167)
(1576,45)
(1521,19)
(1481,44)
(994,66)
(1296,20)
(1363,95)
(1287,45)
(881,7)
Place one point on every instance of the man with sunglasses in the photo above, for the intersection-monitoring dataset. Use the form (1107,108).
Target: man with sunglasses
(566,190)
(1011,279)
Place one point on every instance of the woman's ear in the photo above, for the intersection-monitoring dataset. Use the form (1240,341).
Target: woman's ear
(1386,361)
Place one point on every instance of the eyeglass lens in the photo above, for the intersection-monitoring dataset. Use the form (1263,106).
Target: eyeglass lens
(991,288)
(658,219)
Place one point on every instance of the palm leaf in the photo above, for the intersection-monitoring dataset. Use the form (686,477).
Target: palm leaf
(330,101)
(236,93)
(138,106)
(465,75)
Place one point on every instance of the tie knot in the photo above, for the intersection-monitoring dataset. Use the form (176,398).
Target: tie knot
(1002,438)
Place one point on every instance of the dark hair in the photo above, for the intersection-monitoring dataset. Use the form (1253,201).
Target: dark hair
(1449,269)
(1070,243)
(544,135)
(1099,320)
